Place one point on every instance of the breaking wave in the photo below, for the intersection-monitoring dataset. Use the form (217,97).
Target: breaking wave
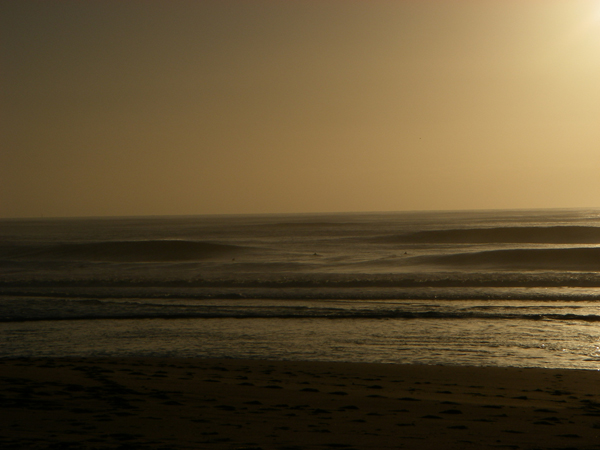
(33,309)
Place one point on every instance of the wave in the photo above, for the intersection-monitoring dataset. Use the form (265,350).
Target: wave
(570,259)
(122,251)
(531,235)
(311,225)
(348,284)
(82,310)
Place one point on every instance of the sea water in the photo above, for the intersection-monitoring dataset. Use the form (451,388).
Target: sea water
(504,288)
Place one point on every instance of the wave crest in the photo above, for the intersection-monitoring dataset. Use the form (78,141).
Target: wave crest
(570,259)
(531,235)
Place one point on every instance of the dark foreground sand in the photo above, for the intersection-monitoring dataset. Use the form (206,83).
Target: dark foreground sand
(238,404)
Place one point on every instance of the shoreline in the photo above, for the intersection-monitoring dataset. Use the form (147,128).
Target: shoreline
(231,404)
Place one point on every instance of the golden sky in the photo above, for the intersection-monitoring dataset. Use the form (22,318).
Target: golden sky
(146,107)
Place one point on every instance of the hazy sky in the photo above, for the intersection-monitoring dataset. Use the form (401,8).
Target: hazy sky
(145,107)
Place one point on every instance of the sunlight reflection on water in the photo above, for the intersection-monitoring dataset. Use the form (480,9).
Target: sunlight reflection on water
(556,344)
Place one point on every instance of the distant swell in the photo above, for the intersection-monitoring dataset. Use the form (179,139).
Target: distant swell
(126,251)
(575,259)
(550,235)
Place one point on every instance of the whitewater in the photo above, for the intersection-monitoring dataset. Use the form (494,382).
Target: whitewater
(508,288)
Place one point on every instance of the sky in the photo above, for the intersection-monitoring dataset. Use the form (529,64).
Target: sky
(176,107)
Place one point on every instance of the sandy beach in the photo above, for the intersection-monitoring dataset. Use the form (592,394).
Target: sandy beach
(143,403)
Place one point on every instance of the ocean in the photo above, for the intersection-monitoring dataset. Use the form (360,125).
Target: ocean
(483,288)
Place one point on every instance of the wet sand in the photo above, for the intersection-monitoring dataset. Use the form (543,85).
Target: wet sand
(155,403)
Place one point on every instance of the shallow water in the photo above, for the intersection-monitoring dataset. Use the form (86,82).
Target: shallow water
(481,342)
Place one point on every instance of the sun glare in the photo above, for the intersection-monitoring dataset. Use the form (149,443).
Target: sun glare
(593,20)
(584,31)
(595,16)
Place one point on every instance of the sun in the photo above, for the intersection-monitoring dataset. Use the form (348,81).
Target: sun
(593,18)
(584,26)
